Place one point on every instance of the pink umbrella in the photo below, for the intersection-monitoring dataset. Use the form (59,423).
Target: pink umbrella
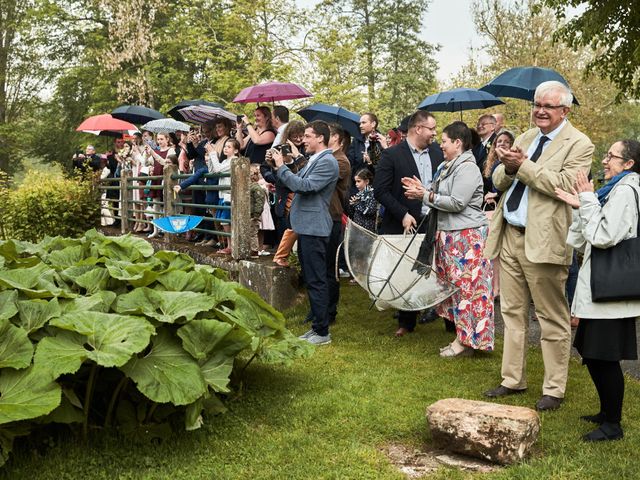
(271,92)
(105,123)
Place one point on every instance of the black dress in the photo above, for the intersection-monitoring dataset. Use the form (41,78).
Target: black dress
(610,339)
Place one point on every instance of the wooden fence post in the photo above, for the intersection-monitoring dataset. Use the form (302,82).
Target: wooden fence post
(126,199)
(240,209)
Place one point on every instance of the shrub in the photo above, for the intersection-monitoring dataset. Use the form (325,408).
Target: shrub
(50,205)
(103,332)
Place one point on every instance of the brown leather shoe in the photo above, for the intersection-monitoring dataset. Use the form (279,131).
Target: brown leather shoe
(401,332)
(547,402)
(502,391)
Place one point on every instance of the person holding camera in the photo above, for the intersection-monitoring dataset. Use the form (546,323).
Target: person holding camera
(310,218)
(87,159)
(259,137)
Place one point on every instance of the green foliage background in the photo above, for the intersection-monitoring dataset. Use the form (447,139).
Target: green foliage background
(48,203)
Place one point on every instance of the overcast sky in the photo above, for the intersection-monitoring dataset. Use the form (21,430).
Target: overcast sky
(448,23)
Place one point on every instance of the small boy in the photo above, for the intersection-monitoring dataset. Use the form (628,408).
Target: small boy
(257,206)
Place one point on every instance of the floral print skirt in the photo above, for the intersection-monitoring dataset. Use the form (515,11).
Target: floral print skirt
(460,260)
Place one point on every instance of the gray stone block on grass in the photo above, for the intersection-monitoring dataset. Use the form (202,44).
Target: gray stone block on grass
(499,433)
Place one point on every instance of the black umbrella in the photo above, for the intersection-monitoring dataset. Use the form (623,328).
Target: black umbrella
(175,110)
(329,113)
(136,114)
(521,82)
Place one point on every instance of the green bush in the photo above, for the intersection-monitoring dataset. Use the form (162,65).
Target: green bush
(52,205)
(103,332)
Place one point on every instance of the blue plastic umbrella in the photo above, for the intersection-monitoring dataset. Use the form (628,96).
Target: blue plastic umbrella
(521,82)
(330,113)
(177,223)
(459,99)
(136,114)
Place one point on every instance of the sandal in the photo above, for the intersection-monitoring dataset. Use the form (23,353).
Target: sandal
(449,352)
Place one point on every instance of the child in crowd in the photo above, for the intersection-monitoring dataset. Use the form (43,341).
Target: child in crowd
(266,219)
(258,201)
(363,207)
(231,150)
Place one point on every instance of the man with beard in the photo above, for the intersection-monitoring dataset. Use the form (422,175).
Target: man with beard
(418,156)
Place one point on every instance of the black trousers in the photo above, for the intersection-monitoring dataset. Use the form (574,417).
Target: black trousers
(333,285)
(312,251)
(609,382)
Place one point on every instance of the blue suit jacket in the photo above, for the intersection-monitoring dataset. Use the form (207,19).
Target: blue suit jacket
(313,187)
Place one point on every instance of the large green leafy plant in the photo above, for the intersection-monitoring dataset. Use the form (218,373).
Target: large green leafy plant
(103,332)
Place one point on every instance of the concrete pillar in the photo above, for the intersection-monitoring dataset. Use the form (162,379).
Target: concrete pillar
(240,209)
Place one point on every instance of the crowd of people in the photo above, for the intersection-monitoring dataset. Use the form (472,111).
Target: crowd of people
(509,211)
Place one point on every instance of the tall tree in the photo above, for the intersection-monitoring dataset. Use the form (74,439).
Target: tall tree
(612,29)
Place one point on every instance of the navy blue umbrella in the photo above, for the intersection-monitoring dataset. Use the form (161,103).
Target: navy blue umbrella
(175,110)
(330,113)
(136,114)
(459,99)
(521,82)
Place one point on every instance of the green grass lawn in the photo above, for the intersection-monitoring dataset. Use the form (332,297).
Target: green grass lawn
(328,416)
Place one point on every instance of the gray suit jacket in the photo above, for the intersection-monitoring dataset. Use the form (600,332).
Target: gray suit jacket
(313,187)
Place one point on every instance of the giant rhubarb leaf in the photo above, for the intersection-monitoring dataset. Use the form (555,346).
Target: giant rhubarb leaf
(108,339)
(16,349)
(26,394)
(34,314)
(200,337)
(164,306)
(167,373)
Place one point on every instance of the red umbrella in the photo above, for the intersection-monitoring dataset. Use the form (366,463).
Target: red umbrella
(105,123)
(271,92)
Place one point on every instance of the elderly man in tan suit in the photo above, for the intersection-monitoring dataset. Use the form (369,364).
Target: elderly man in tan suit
(528,232)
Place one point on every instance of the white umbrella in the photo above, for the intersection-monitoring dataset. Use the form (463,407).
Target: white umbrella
(205,113)
(165,125)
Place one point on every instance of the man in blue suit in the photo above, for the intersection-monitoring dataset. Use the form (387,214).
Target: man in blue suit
(310,219)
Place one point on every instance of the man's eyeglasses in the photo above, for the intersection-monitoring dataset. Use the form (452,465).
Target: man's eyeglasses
(539,106)
(433,129)
(484,124)
(608,156)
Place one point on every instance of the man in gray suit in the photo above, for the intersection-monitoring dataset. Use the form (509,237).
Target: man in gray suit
(310,219)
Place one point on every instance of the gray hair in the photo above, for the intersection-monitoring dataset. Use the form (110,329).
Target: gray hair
(553,86)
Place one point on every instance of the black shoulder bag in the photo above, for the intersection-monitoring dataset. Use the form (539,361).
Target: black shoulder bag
(615,271)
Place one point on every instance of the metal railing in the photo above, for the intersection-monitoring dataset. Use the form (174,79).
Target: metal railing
(124,205)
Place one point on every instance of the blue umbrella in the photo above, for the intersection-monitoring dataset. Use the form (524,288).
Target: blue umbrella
(136,114)
(175,113)
(330,113)
(521,82)
(459,99)
(177,224)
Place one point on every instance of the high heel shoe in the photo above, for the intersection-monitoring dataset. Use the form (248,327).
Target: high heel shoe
(153,235)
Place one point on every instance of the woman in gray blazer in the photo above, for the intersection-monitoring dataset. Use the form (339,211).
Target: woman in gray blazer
(607,330)
(457,194)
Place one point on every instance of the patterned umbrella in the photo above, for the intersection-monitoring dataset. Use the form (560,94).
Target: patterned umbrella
(271,92)
(205,113)
(175,110)
(165,125)
(177,223)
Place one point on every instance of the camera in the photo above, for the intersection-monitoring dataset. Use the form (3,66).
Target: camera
(284,149)
(239,119)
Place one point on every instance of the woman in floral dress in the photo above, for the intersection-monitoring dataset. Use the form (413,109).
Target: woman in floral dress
(457,196)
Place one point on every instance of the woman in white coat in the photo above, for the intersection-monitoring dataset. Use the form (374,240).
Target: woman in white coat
(607,330)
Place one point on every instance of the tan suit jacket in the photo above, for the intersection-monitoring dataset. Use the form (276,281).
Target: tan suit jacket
(548,219)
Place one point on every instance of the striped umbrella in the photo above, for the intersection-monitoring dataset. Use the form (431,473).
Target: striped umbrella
(205,113)
(165,125)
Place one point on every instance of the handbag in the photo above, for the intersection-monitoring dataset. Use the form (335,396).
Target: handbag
(615,271)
